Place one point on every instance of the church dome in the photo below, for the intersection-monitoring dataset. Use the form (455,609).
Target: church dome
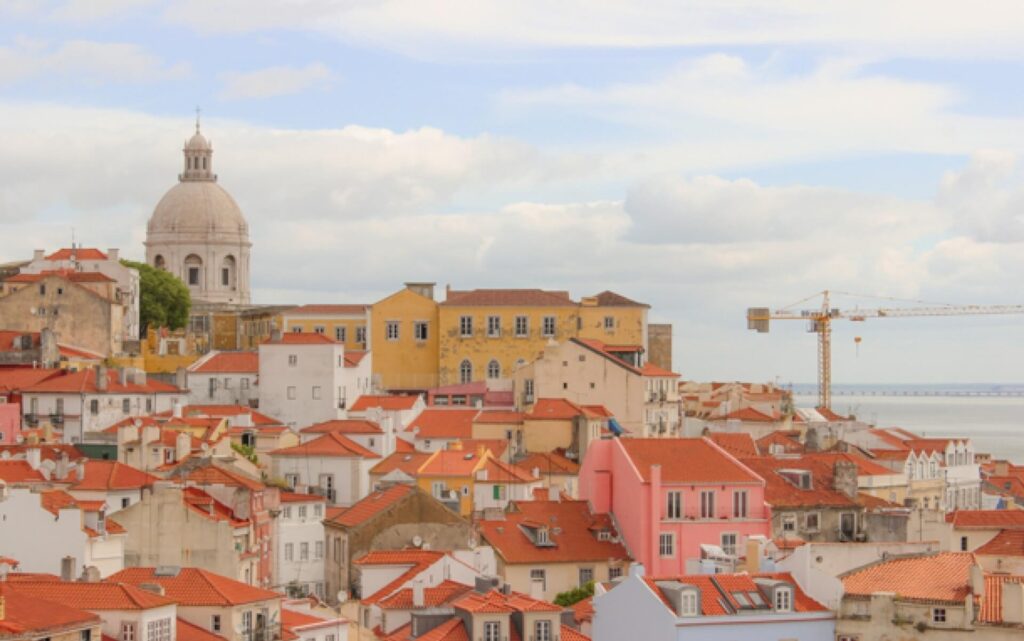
(198,141)
(200,206)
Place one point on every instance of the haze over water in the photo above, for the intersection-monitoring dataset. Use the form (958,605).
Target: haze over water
(994,424)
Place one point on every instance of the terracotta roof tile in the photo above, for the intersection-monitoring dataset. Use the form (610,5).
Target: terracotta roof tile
(17,471)
(84,381)
(112,475)
(499,471)
(452,463)
(549,463)
(739,444)
(508,297)
(611,299)
(939,577)
(330,444)
(451,630)
(210,508)
(751,415)
(18,378)
(328,310)
(497,602)
(103,595)
(987,519)
(28,615)
(344,426)
(437,595)
(78,253)
(780,491)
(781,438)
(301,338)
(407,462)
(438,423)
(650,369)
(368,401)
(991,610)
(1006,543)
(415,562)
(583,611)
(374,504)
(210,473)
(189,632)
(197,587)
(559,409)
(572,634)
(706,463)
(229,362)
(503,417)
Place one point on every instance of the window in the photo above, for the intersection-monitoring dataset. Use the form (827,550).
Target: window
(609,323)
(707,504)
(42,290)
(498,492)
(125,502)
(812,521)
(492,631)
(789,522)
(689,604)
(360,334)
(493,369)
(292,480)
(391,330)
(339,334)
(739,504)
(227,383)
(126,405)
(542,630)
(291,392)
(244,384)
(297,329)
(540,575)
(963,544)
(215,623)
(159,630)
(304,551)
(938,615)
(318,510)
(85,635)
(494,326)
(783,599)
(302,511)
(729,543)
(674,509)
(666,544)
(94,407)
(286,511)
(316,392)
(439,489)
(289,551)
(465,372)
(586,575)
(318,550)
(127,631)
(549,326)
(614,573)
(193,275)
(225,276)
(465,325)
(522,326)
(419,330)
(293,360)
(319,329)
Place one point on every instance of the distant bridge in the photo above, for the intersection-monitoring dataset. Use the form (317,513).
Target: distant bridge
(950,393)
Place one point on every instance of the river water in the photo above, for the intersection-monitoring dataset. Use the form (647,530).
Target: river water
(994,424)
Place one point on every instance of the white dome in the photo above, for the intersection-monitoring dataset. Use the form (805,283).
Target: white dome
(198,141)
(198,207)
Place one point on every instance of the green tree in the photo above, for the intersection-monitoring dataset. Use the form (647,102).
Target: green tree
(575,595)
(164,300)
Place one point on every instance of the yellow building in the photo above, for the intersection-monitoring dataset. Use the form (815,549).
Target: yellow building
(448,475)
(613,319)
(404,339)
(344,323)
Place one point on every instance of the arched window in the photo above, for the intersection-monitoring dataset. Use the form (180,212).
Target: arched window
(466,372)
(910,469)
(920,469)
(204,162)
(493,369)
(227,272)
(159,262)
(193,270)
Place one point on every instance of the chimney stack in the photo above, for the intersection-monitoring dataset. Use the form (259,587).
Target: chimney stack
(101,378)
(38,254)
(417,593)
(113,254)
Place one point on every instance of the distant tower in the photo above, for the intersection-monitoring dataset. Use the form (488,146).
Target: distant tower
(198,233)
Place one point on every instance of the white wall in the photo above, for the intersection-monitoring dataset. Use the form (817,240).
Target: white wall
(319,366)
(230,388)
(290,528)
(37,538)
(351,475)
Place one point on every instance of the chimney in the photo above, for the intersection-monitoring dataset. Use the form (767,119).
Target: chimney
(38,254)
(113,254)
(181,378)
(49,353)
(844,478)
(122,376)
(81,469)
(101,378)
(753,556)
(977,581)
(1013,603)
(33,456)
(183,446)
(176,410)
(67,568)
(417,594)
(275,336)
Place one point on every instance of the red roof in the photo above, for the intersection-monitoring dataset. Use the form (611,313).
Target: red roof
(986,519)
(66,274)
(17,471)
(611,299)
(210,473)
(501,472)
(739,444)
(991,610)
(435,596)
(344,426)
(102,595)
(208,507)
(780,491)
(227,411)
(499,602)
(328,310)
(706,463)
(1006,543)
(451,463)
(575,539)
(499,417)
(84,381)
(302,338)
(451,630)
(583,611)
(717,590)
(78,253)
(407,462)
(330,444)
(15,379)
(787,440)
(751,415)
(367,401)
(938,577)
(549,463)
(25,614)
(435,423)
(197,587)
(509,297)
(650,369)
(111,475)
(374,504)
(189,632)
(229,362)
(558,409)
(415,562)
(354,357)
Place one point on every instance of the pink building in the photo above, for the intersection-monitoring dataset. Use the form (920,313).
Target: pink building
(10,422)
(669,496)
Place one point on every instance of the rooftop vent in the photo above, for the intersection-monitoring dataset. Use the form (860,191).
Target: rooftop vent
(167,570)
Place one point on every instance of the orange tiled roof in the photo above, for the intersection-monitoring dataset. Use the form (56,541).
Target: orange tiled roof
(986,519)
(991,610)
(302,338)
(499,471)
(25,614)
(508,297)
(374,504)
(17,471)
(18,378)
(780,492)
(189,632)
(938,577)
(650,369)
(329,310)
(789,442)
(112,475)
(576,539)
(103,595)
(496,446)
(66,274)
(706,463)
(451,630)
(549,463)
(452,463)
(739,444)
(432,597)
(572,634)
(611,299)
(435,422)
(407,462)
(344,426)
(559,409)
(84,381)
(210,473)
(210,508)
(415,562)
(79,253)
(498,417)
(230,362)
(354,357)
(497,602)
(1006,543)
(751,415)
(330,444)
(386,402)
(716,591)
(197,587)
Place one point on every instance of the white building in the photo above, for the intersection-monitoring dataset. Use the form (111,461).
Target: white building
(223,378)
(300,619)
(83,259)
(91,400)
(308,378)
(333,466)
(57,535)
(198,233)
(299,543)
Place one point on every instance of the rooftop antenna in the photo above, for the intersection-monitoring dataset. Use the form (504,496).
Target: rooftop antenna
(72,238)
(197,118)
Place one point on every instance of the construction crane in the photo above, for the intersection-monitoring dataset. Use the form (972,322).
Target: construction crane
(820,322)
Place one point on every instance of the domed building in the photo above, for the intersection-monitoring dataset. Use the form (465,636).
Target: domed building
(197,232)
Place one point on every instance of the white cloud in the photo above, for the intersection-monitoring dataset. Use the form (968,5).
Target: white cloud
(987,198)
(275,81)
(84,61)
(91,10)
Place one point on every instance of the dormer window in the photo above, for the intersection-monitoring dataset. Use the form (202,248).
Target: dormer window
(542,536)
(799,478)
(688,604)
(783,599)
(542,630)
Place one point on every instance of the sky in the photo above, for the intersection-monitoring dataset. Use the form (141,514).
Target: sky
(700,156)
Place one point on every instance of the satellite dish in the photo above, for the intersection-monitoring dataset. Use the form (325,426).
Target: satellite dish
(417,541)
(342,596)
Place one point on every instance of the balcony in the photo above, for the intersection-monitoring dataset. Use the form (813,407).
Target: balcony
(32,420)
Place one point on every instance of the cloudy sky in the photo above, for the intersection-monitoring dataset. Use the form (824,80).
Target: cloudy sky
(701,156)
